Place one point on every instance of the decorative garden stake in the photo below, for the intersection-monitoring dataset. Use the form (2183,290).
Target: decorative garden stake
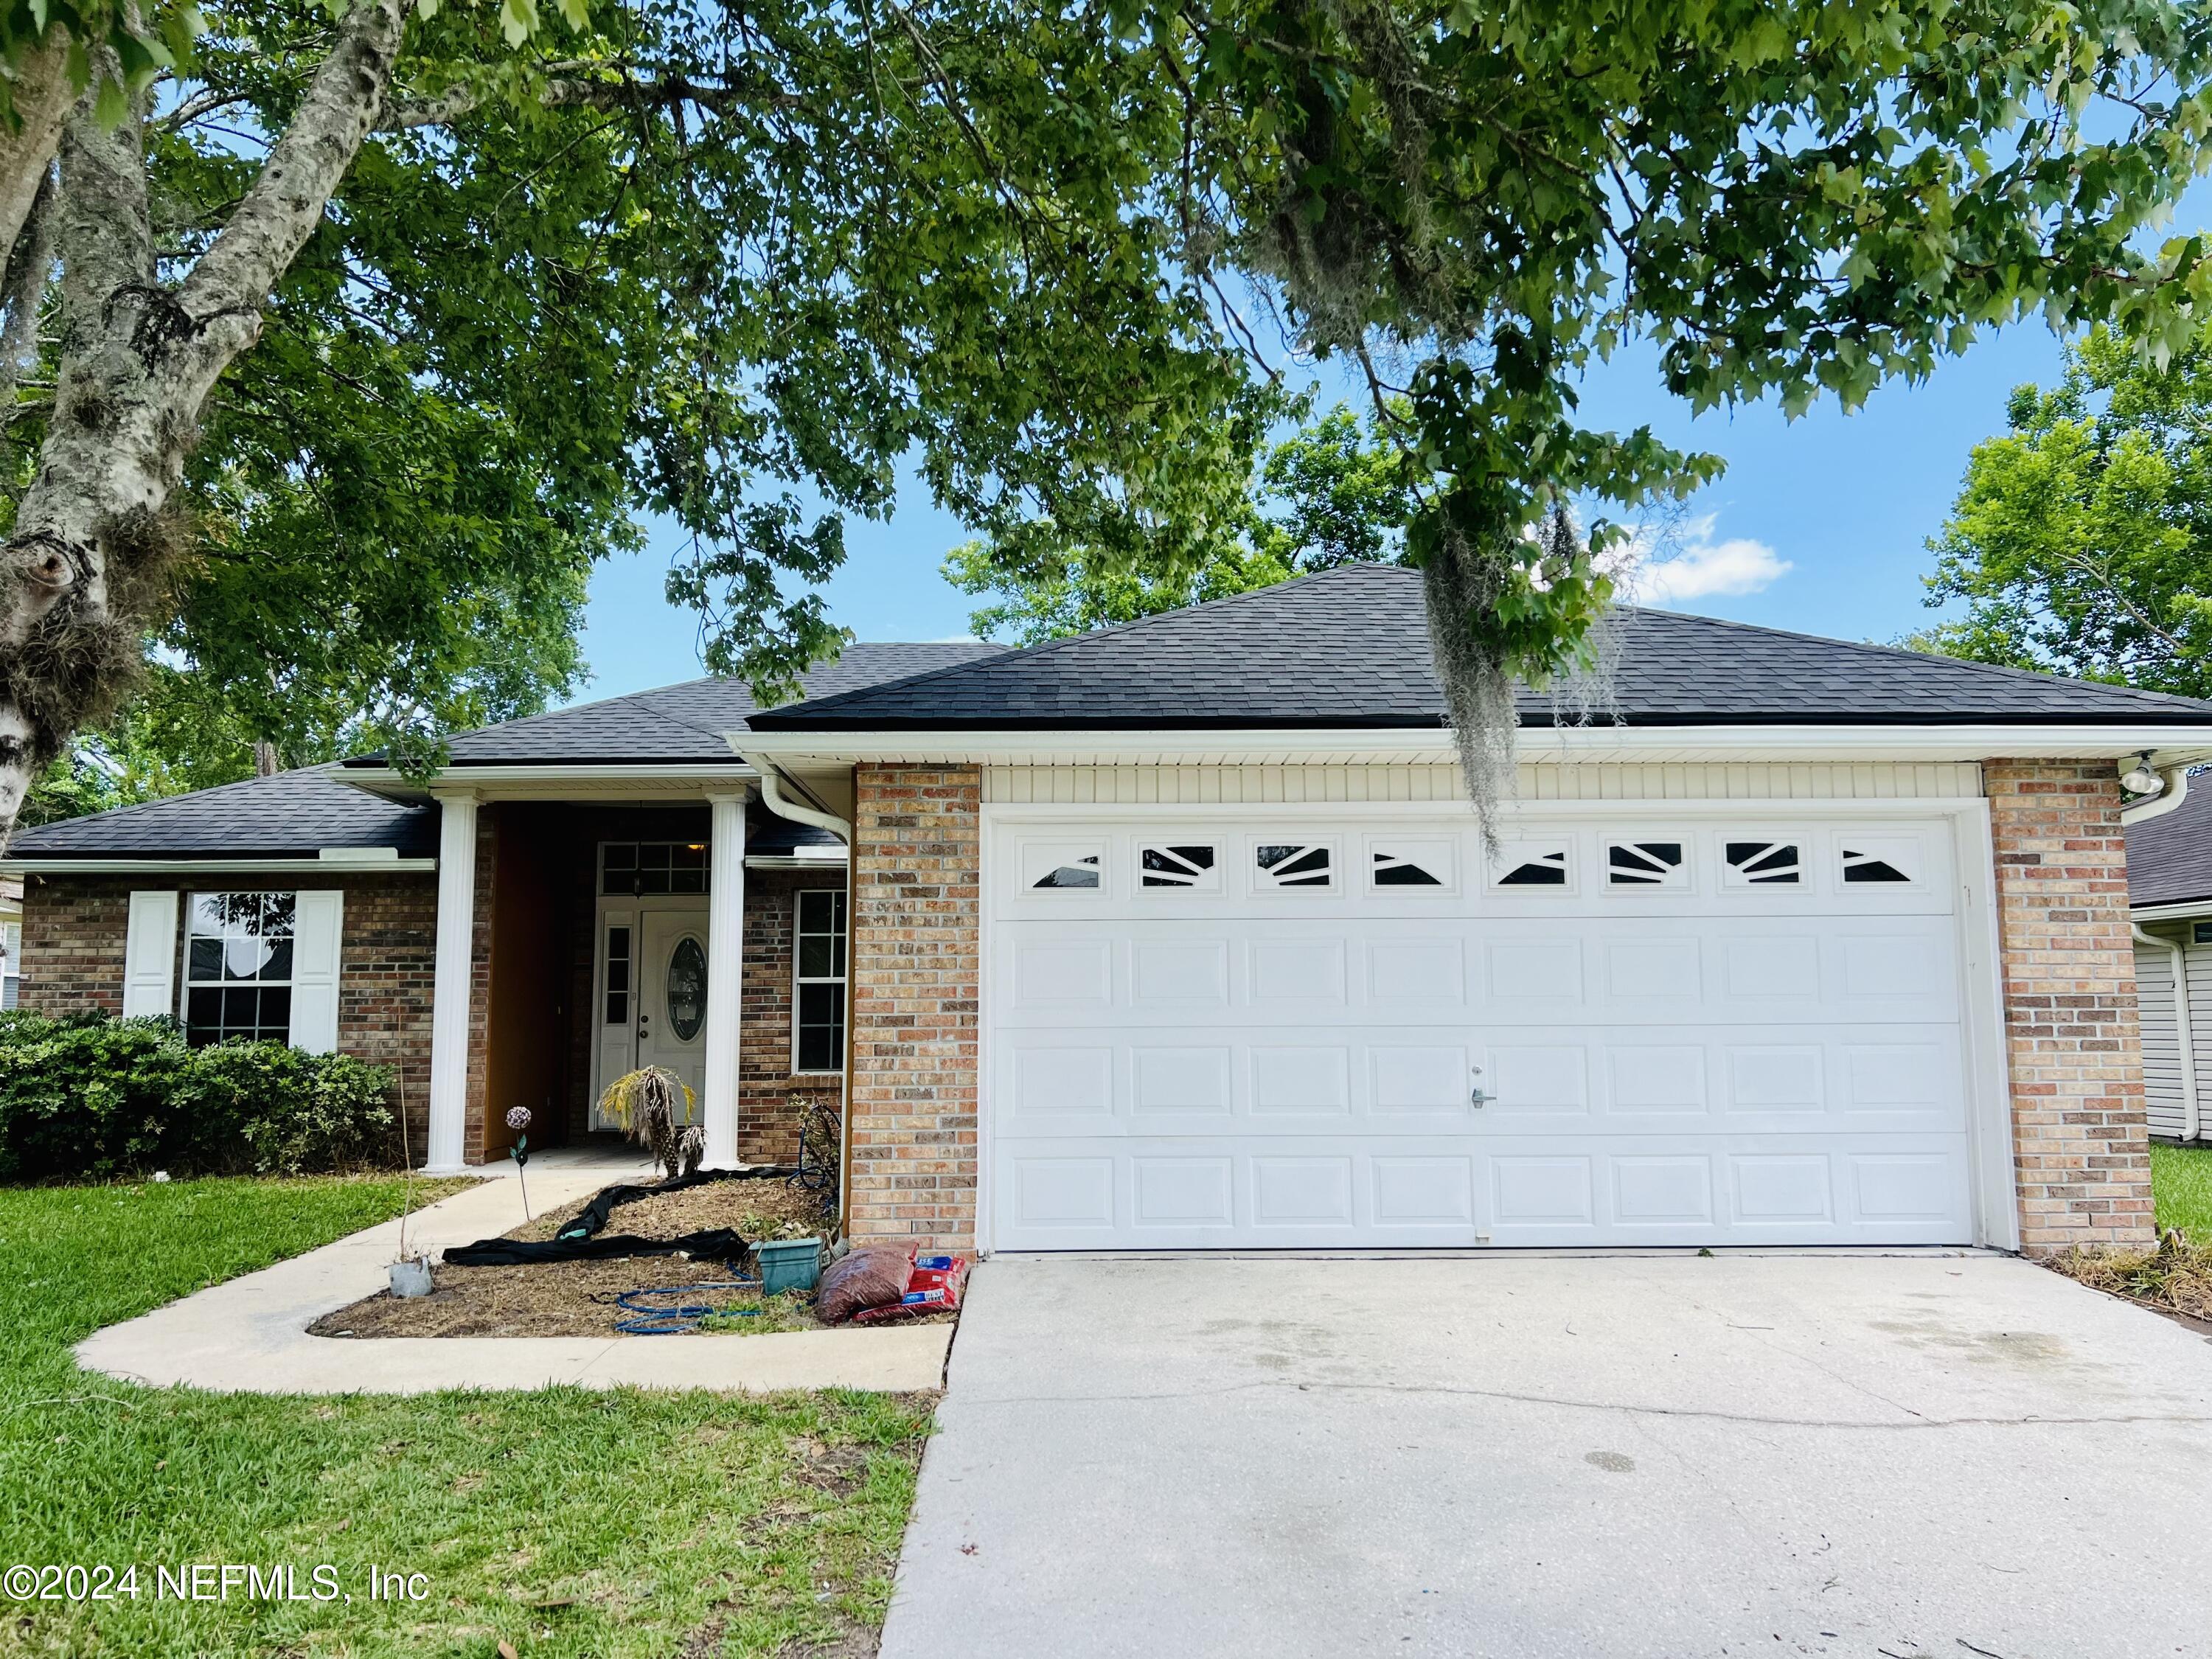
(519,1121)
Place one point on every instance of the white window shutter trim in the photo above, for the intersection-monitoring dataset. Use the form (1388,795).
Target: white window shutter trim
(149,955)
(318,929)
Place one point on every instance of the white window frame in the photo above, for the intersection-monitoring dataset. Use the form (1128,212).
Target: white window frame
(186,983)
(11,965)
(834,895)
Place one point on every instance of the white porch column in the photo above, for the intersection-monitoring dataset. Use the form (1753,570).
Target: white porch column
(725,960)
(449,1006)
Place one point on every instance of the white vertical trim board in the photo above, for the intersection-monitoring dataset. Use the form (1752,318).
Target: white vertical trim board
(318,942)
(150,954)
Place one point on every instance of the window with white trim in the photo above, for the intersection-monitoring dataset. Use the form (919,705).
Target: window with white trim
(238,967)
(817,1000)
(11,964)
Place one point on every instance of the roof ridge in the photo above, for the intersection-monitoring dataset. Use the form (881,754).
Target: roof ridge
(2040,676)
(1013,653)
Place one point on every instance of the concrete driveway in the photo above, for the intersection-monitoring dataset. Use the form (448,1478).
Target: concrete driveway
(1926,1457)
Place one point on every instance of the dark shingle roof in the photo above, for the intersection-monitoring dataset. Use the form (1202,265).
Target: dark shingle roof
(296,814)
(2170,858)
(1350,648)
(292,815)
(675,724)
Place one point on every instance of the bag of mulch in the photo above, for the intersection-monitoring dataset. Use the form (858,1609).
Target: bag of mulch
(872,1277)
(933,1287)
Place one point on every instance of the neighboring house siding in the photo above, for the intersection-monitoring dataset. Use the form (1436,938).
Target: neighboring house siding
(74,928)
(2162,1055)
(1268,785)
(2166,1111)
(916,970)
(2081,1152)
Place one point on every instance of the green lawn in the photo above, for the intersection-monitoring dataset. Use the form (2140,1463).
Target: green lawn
(2181,1182)
(563,1523)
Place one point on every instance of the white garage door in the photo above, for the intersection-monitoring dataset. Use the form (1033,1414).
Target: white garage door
(1208,1031)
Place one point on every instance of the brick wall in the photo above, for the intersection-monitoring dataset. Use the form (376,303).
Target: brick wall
(2080,1145)
(916,957)
(772,1098)
(73,929)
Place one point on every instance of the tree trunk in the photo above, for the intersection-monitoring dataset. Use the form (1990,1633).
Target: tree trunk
(95,532)
(42,94)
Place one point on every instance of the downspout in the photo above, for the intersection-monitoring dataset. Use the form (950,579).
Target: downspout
(773,798)
(2185,1042)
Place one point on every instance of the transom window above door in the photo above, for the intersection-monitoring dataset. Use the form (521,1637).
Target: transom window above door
(640,868)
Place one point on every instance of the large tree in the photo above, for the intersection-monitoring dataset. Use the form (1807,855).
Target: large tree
(1330,493)
(2082,539)
(699,259)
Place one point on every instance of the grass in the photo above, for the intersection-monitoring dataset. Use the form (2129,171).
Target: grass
(564,1521)
(2181,1184)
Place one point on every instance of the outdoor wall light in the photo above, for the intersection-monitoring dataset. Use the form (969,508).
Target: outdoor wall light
(2142,780)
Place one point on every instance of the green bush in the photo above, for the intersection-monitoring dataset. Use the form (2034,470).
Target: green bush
(93,1096)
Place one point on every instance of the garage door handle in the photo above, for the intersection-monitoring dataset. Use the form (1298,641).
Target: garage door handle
(1477,1096)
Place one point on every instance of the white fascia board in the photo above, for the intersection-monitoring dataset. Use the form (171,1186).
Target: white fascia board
(2187,912)
(548,783)
(2168,745)
(379,861)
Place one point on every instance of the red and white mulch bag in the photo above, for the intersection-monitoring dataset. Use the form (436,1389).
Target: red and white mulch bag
(933,1285)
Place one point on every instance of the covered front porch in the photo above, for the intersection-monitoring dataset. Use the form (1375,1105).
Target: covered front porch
(586,928)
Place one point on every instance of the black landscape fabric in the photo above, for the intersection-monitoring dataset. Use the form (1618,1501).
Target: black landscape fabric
(579,1240)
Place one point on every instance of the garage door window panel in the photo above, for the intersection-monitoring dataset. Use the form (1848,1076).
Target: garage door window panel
(1534,864)
(1764,863)
(1294,865)
(1647,864)
(1179,866)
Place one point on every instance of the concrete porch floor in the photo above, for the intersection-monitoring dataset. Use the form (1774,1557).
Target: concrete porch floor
(249,1334)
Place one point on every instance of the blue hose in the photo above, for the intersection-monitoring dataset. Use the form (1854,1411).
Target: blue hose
(684,1316)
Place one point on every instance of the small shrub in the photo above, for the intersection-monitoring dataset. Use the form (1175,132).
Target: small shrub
(297,1113)
(2176,1277)
(91,1096)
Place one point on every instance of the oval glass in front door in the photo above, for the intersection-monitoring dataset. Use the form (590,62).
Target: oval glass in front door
(687,989)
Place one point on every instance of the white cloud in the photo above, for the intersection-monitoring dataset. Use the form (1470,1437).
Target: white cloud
(1685,562)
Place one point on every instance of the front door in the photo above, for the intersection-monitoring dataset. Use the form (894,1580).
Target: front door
(667,1016)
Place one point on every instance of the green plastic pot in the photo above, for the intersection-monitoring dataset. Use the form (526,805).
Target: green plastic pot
(788,1264)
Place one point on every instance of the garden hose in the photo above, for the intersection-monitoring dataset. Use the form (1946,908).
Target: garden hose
(683,1317)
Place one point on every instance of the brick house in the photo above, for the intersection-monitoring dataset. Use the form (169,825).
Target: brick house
(1183,935)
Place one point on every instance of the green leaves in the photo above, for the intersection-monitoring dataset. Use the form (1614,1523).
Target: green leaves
(2082,539)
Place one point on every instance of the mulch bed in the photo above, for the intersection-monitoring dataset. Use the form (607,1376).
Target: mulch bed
(577,1299)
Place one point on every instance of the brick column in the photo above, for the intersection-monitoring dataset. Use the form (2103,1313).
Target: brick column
(2078,1143)
(915,971)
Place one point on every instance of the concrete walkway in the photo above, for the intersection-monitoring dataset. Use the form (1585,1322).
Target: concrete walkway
(1606,1458)
(250,1335)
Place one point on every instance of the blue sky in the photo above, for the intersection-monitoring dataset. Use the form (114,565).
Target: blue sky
(1820,524)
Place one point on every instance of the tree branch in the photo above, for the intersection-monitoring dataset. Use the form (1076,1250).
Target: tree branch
(567,91)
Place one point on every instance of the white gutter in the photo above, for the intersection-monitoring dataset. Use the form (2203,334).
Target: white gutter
(2168,745)
(2187,910)
(773,798)
(2192,1121)
(587,778)
(358,861)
